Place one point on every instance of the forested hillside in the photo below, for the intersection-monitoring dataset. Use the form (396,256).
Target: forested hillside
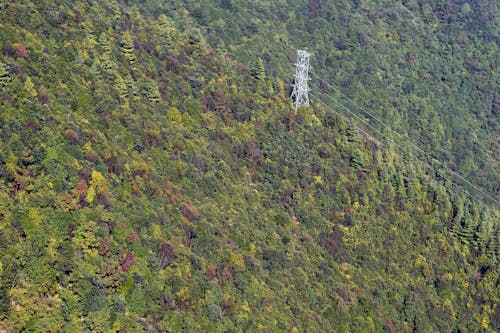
(155,177)
(429,68)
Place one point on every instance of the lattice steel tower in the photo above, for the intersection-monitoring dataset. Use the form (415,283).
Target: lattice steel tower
(301,88)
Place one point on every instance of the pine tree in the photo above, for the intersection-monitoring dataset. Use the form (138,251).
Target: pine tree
(152,91)
(132,87)
(411,186)
(197,42)
(353,134)
(258,71)
(166,33)
(127,48)
(107,64)
(105,43)
(495,245)
(95,69)
(458,214)
(4,75)
(357,160)
(121,88)
(482,236)
(465,229)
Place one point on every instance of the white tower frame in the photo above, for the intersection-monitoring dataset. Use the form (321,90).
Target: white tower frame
(300,91)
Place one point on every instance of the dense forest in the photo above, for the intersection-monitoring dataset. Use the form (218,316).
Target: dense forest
(155,176)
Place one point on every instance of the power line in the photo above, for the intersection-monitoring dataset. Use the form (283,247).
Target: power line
(412,17)
(424,163)
(454,173)
(403,138)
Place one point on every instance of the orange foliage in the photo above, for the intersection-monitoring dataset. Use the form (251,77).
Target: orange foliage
(82,187)
(20,50)
(211,272)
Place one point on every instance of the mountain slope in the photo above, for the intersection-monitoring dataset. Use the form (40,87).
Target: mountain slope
(428,69)
(149,182)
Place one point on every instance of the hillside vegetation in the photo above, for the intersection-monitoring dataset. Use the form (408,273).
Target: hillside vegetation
(154,176)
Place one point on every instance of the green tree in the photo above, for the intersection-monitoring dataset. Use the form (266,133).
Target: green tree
(4,75)
(258,70)
(127,48)
(151,91)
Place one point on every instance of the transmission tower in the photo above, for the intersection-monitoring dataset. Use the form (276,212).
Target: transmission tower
(301,88)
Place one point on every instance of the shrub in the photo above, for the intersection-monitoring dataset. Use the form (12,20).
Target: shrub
(213,312)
